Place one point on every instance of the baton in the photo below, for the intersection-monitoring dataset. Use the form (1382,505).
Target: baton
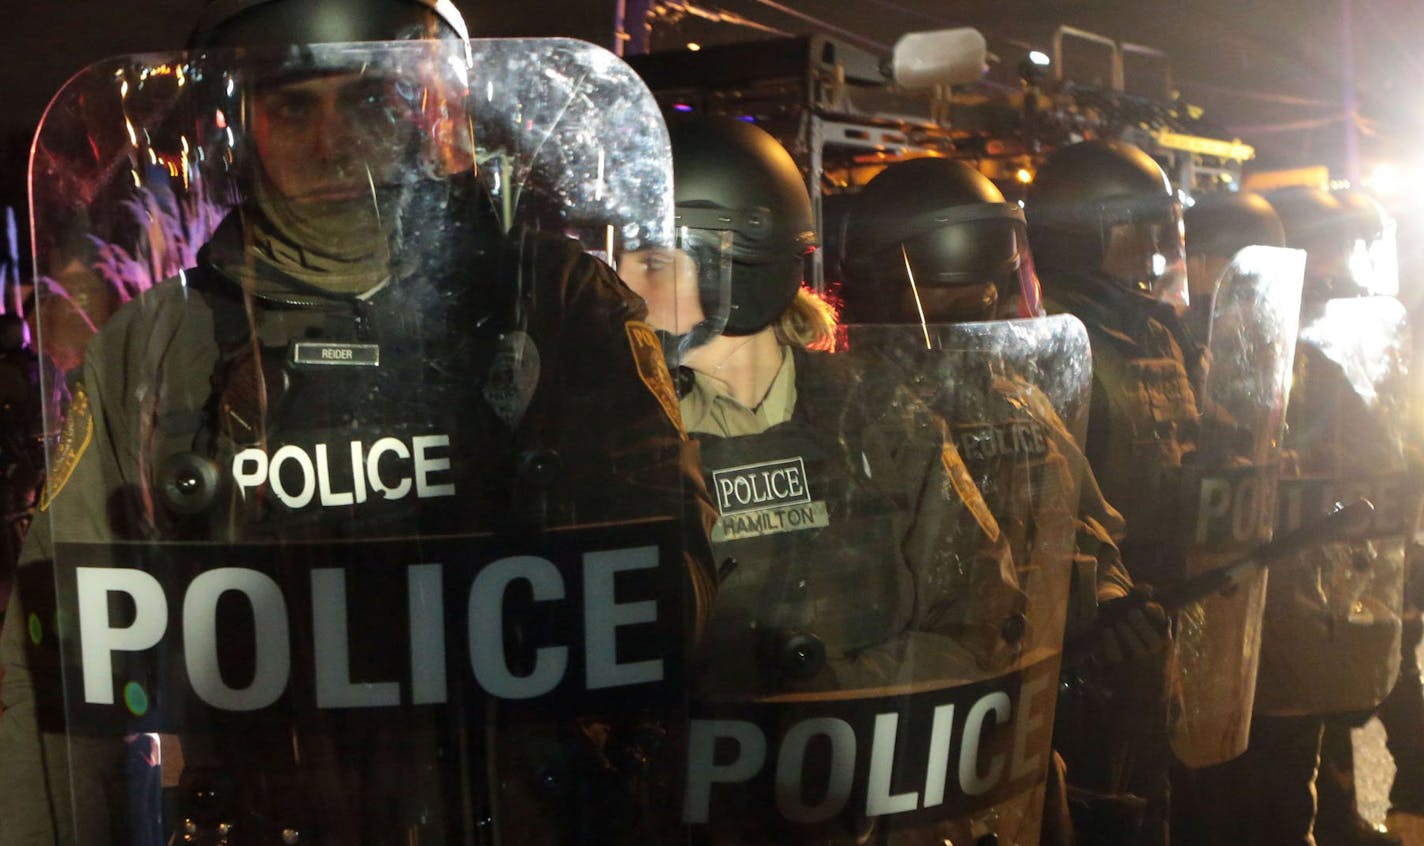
(1344,521)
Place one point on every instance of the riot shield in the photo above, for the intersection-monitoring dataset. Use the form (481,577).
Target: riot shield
(1333,613)
(368,522)
(1229,496)
(565,148)
(879,667)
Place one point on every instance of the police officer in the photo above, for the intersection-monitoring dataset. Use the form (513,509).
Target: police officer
(896,579)
(1370,233)
(1305,712)
(1218,225)
(1106,233)
(933,241)
(968,260)
(358,295)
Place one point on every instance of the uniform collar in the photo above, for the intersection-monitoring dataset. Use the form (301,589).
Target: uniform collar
(707,410)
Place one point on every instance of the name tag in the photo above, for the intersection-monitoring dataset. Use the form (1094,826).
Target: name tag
(324,354)
(764,499)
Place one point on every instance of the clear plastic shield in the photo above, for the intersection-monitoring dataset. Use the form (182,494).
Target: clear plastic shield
(1332,624)
(687,288)
(880,668)
(1230,493)
(371,519)
(570,144)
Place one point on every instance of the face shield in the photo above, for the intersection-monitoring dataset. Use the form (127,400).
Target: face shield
(970,263)
(686,287)
(1372,261)
(1144,248)
(342,120)
(340,157)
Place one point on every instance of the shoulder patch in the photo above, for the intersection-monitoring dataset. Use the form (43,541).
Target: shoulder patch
(652,369)
(74,439)
(968,492)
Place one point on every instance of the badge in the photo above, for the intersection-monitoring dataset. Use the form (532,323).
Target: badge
(74,438)
(652,369)
(513,375)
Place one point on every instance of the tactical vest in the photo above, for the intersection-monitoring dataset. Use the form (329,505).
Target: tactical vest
(447,440)
(1150,430)
(328,419)
(809,538)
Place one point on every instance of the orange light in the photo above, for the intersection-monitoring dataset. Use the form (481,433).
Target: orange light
(1024,175)
(694,46)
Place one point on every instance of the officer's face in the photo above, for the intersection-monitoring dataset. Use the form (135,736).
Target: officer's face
(330,138)
(954,303)
(667,282)
(1202,273)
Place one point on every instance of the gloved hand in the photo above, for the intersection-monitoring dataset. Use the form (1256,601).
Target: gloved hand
(1133,627)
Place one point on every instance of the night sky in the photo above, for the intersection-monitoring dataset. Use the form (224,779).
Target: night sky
(1270,71)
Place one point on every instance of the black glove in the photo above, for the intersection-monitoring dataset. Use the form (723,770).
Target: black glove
(1132,628)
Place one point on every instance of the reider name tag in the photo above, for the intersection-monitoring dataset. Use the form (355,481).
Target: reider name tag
(325,354)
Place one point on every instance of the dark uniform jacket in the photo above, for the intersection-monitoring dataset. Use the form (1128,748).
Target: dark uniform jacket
(541,399)
(1141,426)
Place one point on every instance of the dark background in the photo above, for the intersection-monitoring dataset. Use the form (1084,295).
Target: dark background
(1272,72)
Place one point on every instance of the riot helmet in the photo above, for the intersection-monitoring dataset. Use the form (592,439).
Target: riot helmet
(271,23)
(744,225)
(1316,221)
(731,176)
(1219,225)
(1103,220)
(1372,248)
(932,240)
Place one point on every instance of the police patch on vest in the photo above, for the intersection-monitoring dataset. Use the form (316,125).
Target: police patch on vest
(764,499)
(652,369)
(968,493)
(1010,439)
(74,438)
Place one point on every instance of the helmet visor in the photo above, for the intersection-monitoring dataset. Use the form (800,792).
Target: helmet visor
(1373,262)
(686,287)
(1144,250)
(971,263)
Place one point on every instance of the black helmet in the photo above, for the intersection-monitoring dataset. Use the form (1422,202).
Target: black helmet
(1315,221)
(277,23)
(1103,219)
(1223,223)
(1219,225)
(933,238)
(1370,233)
(733,179)
(1309,215)
(1361,216)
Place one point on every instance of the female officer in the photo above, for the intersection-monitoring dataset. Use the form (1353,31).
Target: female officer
(854,551)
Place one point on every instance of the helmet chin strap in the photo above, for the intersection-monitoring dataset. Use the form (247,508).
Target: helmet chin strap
(676,345)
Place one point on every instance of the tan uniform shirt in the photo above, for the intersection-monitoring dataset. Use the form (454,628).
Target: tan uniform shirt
(707,410)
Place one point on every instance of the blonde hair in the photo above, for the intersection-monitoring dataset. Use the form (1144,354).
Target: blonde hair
(810,322)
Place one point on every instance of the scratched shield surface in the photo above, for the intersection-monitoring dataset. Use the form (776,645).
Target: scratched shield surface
(884,658)
(317,524)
